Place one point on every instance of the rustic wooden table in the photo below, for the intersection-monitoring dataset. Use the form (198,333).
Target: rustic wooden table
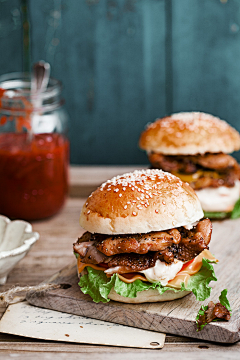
(52,252)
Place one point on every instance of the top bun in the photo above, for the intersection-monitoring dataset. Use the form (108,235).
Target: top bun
(140,202)
(190,133)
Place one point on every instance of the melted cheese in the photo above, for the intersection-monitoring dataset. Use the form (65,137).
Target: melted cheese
(182,276)
(132,279)
(193,177)
(81,266)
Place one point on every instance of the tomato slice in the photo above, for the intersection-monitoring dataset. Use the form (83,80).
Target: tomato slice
(103,265)
(186,264)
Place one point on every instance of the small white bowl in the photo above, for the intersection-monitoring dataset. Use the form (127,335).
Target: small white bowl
(16,239)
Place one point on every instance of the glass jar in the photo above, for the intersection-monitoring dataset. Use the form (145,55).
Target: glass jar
(34,149)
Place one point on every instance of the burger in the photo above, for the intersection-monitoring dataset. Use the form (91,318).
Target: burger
(195,147)
(144,240)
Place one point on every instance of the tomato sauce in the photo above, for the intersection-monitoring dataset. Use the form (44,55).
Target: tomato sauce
(33,174)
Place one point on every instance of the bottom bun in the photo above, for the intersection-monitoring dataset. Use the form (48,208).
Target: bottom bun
(151,295)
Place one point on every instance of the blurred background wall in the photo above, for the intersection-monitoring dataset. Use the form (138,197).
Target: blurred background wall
(123,63)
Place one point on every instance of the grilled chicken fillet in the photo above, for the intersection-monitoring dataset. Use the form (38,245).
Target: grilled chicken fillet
(140,251)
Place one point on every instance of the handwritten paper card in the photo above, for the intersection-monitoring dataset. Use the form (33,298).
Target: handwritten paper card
(30,321)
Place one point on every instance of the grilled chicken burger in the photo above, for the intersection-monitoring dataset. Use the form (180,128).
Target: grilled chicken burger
(145,240)
(195,146)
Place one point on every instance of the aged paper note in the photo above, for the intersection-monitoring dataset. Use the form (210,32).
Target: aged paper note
(30,321)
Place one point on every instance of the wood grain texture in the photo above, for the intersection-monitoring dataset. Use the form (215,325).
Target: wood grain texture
(110,57)
(175,317)
(109,355)
(205,46)
(86,179)
(10,37)
(52,252)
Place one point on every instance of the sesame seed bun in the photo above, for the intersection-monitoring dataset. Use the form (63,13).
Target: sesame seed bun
(189,133)
(140,202)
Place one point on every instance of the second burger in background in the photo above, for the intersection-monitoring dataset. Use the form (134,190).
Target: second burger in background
(145,240)
(194,146)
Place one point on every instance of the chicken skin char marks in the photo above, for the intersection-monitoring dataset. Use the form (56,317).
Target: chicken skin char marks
(141,251)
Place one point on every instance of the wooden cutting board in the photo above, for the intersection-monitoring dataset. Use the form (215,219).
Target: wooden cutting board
(173,317)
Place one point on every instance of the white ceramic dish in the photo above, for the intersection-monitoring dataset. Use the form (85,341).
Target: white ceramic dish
(16,239)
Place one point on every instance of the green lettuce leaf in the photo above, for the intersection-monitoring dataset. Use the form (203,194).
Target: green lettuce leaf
(224,300)
(76,254)
(216,215)
(199,282)
(201,314)
(98,285)
(235,214)
(201,318)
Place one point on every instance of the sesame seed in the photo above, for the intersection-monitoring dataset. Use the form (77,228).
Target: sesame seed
(134,214)
(125,207)
(156,211)
(163,203)
(120,195)
(88,212)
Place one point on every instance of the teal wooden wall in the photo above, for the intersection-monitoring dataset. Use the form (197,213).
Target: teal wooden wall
(124,63)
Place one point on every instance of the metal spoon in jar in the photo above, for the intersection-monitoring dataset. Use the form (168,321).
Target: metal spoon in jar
(39,83)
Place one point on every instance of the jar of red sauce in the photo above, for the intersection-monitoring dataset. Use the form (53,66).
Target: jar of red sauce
(34,149)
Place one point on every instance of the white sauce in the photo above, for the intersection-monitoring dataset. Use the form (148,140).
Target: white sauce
(190,226)
(219,199)
(163,272)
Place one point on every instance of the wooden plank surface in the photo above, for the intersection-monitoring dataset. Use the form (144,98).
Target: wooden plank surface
(174,317)
(52,252)
(86,179)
